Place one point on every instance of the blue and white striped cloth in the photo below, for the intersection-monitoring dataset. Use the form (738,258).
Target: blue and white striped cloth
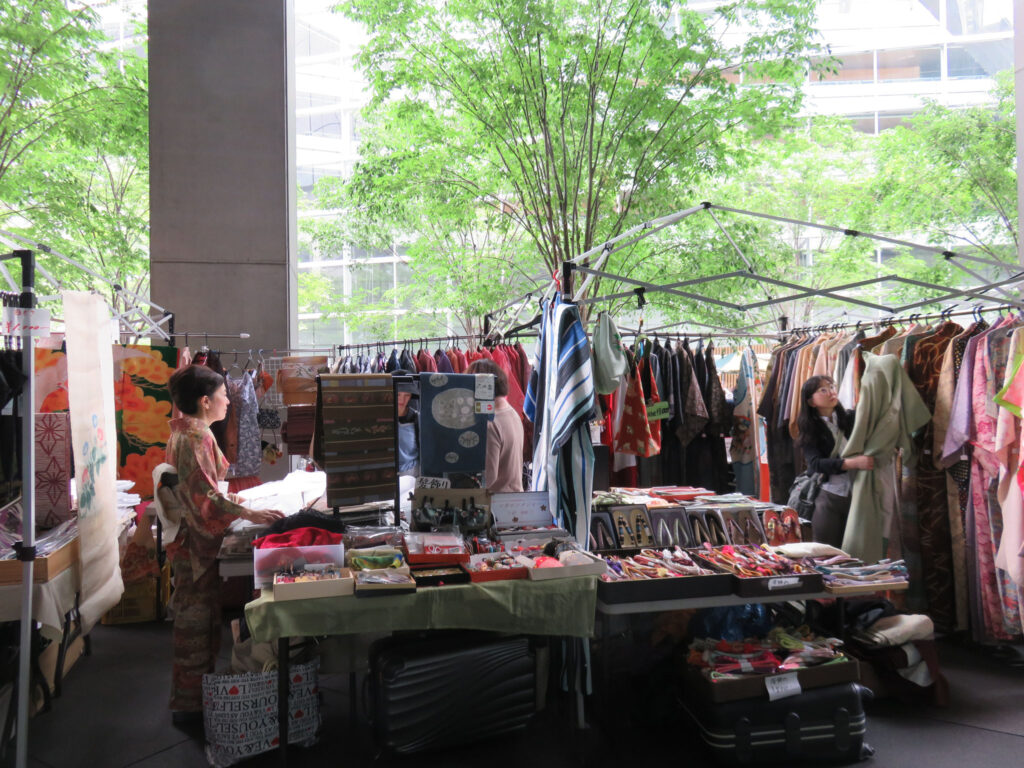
(560,402)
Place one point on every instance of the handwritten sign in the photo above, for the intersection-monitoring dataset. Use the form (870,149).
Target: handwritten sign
(781,686)
(657,411)
(15,321)
(433,482)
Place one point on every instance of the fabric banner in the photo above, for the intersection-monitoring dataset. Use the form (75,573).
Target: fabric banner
(453,422)
(94,437)
(53,469)
(142,405)
(141,400)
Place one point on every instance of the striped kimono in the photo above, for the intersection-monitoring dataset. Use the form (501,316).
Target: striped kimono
(560,402)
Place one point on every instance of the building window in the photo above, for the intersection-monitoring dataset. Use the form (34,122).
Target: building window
(853,68)
(910,64)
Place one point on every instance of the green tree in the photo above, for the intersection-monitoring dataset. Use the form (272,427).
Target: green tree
(950,174)
(74,146)
(570,122)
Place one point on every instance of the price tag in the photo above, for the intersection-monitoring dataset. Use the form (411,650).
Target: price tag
(657,411)
(16,321)
(783,582)
(483,386)
(781,686)
(433,482)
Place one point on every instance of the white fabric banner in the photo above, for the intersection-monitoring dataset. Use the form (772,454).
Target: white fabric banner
(94,435)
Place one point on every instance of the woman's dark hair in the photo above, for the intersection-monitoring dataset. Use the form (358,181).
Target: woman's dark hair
(483,365)
(190,384)
(812,428)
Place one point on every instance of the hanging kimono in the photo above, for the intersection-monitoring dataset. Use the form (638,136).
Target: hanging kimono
(889,411)
(743,450)
(560,403)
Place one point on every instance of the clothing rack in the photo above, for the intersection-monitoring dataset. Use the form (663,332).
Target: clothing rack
(26,548)
(887,321)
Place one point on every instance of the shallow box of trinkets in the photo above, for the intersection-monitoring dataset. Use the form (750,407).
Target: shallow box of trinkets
(574,562)
(699,687)
(769,586)
(494,566)
(435,549)
(327,582)
(383,582)
(439,576)
(716,584)
(524,517)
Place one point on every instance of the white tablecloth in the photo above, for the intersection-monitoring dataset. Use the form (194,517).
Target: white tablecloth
(50,601)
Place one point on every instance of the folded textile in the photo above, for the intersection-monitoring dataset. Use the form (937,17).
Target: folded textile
(897,630)
(298,537)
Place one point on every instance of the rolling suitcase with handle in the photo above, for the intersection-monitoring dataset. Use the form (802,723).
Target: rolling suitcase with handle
(819,725)
(429,692)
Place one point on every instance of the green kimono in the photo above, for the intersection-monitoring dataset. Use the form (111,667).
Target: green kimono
(889,411)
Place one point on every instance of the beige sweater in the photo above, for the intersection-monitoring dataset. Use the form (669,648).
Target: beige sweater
(504,469)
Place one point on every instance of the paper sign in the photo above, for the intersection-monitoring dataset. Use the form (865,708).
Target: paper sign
(485,407)
(484,386)
(15,321)
(657,411)
(433,482)
(781,686)
(783,582)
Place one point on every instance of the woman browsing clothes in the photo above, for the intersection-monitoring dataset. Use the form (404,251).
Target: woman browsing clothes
(200,394)
(824,428)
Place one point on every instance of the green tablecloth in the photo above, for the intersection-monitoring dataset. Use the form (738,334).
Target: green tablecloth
(550,607)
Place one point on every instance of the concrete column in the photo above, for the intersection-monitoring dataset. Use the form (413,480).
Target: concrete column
(222,176)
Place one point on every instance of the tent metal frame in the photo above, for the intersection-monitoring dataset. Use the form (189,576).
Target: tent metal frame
(591,263)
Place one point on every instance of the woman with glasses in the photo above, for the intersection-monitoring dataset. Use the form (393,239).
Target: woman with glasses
(824,428)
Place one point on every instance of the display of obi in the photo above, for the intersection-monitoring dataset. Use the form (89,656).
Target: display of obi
(453,422)
(354,438)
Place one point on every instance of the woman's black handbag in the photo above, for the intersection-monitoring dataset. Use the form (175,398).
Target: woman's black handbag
(804,493)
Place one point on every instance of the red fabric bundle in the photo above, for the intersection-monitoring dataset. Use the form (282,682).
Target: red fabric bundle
(297,537)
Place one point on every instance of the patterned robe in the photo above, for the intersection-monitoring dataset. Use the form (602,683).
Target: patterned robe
(192,450)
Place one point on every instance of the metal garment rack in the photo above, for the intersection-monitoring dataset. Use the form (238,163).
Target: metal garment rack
(887,321)
(26,548)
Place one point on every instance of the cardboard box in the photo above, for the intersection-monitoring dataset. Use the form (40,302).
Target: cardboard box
(756,686)
(341,585)
(44,568)
(595,567)
(145,600)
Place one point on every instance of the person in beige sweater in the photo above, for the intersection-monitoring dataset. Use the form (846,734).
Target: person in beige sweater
(503,471)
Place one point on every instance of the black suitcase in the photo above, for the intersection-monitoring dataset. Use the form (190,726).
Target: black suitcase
(434,691)
(818,725)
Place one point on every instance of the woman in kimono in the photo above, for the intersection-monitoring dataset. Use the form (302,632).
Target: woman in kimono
(201,396)
(824,427)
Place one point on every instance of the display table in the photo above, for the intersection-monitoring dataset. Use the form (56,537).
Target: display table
(51,602)
(561,607)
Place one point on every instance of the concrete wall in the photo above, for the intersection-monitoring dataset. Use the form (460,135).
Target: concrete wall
(223,234)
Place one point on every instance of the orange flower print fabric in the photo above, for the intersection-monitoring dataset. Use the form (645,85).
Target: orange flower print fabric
(141,399)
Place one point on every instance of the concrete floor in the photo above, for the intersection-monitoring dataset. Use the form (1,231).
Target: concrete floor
(113,714)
